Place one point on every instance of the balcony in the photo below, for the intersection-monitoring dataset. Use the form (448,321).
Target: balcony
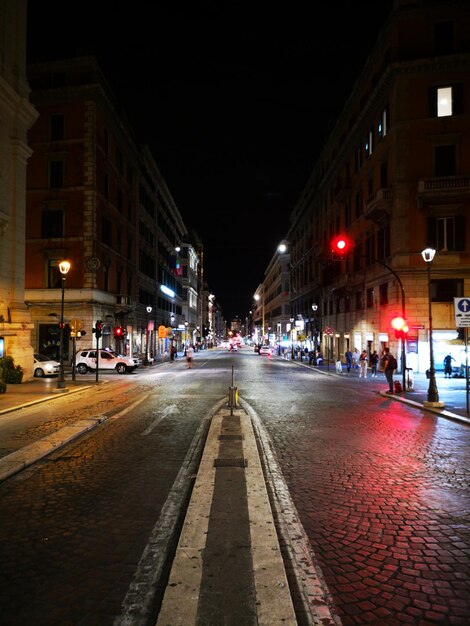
(443,188)
(379,205)
(123,301)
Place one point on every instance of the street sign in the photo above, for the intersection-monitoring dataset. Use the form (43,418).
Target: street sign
(462,312)
(328,330)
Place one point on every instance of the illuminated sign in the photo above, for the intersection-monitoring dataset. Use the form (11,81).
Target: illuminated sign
(167,291)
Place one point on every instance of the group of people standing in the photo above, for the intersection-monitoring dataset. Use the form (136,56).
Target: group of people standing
(356,360)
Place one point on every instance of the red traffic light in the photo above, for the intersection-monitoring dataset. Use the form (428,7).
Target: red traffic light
(118,332)
(340,245)
(399,324)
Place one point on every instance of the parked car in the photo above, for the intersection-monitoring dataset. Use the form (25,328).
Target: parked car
(85,361)
(265,350)
(44,366)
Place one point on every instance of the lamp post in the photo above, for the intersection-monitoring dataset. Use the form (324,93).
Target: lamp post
(314,323)
(146,360)
(433,394)
(64,267)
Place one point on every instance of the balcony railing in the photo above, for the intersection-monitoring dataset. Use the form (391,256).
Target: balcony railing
(378,205)
(444,183)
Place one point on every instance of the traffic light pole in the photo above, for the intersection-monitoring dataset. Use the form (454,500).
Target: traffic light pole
(403,339)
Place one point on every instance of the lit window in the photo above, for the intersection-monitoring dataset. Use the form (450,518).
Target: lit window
(444,101)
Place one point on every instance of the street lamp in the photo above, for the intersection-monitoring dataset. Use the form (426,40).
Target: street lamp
(433,394)
(64,267)
(146,360)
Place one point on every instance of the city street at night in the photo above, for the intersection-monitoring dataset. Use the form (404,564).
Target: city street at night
(380,488)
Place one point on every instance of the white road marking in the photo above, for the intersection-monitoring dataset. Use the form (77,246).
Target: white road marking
(169,410)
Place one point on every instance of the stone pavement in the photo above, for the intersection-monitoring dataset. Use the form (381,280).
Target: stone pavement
(452,391)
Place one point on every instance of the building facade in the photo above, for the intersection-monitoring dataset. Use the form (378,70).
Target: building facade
(394,178)
(95,196)
(17,115)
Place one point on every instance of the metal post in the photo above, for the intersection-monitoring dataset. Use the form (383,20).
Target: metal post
(433,394)
(61,379)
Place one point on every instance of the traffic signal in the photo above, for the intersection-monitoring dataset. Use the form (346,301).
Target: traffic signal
(400,327)
(340,246)
(118,332)
(98,329)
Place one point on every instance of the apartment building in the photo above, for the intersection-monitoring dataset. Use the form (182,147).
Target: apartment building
(96,198)
(394,178)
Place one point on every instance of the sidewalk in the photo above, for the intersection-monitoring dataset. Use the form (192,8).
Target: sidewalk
(452,391)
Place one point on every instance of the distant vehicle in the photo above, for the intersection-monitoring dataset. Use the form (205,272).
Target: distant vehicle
(85,361)
(44,366)
(233,347)
(265,351)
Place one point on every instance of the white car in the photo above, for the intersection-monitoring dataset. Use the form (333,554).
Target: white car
(85,361)
(44,366)
(265,350)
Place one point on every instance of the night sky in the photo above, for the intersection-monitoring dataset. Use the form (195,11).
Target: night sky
(234,99)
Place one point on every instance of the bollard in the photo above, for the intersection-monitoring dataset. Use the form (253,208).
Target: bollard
(233,397)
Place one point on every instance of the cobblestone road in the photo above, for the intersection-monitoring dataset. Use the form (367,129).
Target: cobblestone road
(383,492)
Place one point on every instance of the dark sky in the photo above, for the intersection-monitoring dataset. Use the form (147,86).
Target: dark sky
(234,99)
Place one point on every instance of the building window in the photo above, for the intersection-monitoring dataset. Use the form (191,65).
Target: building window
(106,186)
(384,175)
(359,306)
(106,142)
(56,173)
(445,160)
(105,278)
(120,201)
(370,298)
(383,294)
(106,230)
(447,233)
(57,127)
(446,100)
(443,38)
(119,160)
(358,203)
(370,250)
(347,215)
(52,223)
(446,290)
(383,242)
(382,127)
(54,277)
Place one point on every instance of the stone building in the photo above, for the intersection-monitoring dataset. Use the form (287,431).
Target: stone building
(394,178)
(96,197)
(16,116)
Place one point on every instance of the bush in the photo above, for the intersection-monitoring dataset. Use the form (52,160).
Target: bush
(3,386)
(9,373)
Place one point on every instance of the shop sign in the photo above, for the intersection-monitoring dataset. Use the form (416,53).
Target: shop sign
(161,332)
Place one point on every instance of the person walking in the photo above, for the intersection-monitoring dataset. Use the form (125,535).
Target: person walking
(189,355)
(355,358)
(363,360)
(374,361)
(448,365)
(348,356)
(390,365)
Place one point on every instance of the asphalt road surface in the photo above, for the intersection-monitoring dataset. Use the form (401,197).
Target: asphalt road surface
(382,490)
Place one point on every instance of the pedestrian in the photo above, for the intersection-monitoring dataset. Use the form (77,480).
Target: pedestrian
(363,360)
(355,358)
(348,355)
(448,365)
(189,355)
(374,361)
(390,365)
